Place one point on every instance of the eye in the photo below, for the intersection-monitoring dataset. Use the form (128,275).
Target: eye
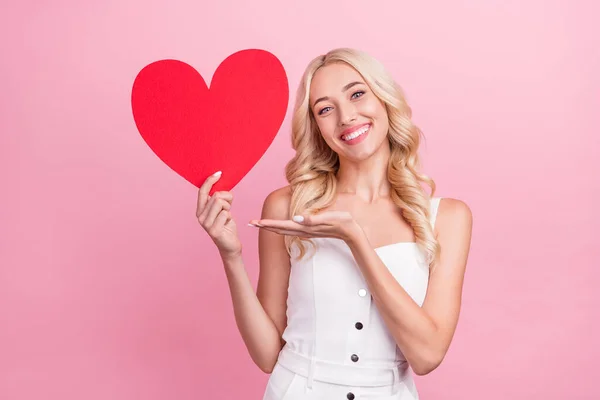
(360,92)
(323,110)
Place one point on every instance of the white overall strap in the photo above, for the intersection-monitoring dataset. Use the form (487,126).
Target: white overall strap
(434,205)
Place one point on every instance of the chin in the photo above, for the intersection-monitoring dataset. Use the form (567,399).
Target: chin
(364,150)
(359,155)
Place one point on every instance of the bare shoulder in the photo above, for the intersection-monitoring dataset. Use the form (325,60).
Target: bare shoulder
(453,228)
(277,203)
(453,214)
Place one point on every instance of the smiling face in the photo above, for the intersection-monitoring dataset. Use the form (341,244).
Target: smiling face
(351,118)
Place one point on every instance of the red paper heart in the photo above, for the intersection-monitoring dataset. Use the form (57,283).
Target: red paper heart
(197,131)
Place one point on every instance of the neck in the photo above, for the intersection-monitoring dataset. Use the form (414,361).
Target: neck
(367,178)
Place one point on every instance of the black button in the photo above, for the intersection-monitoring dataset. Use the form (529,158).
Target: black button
(354,357)
(350,396)
(358,326)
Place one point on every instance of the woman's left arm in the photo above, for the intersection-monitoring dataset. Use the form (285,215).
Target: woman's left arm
(423,334)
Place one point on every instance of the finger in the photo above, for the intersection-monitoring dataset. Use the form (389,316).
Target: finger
(202,213)
(288,232)
(229,217)
(205,190)
(206,210)
(220,221)
(278,223)
(308,220)
(324,218)
(215,209)
(224,195)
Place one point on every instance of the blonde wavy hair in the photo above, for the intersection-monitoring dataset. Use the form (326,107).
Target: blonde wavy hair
(311,173)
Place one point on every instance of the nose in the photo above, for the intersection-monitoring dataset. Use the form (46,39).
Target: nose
(347,114)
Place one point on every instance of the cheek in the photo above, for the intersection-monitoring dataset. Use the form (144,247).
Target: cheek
(327,128)
(377,110)
(373,108)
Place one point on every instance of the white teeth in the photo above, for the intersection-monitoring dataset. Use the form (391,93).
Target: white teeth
(355,134)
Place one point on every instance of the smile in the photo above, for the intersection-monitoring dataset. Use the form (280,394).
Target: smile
(353,136)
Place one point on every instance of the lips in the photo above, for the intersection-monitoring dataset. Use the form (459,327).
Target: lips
(353,129)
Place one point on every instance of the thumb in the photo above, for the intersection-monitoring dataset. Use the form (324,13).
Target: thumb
(316,219)
(300,219)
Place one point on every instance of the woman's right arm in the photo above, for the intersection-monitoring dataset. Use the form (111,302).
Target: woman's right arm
(261,316)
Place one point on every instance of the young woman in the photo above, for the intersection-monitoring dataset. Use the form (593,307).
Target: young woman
(361,271)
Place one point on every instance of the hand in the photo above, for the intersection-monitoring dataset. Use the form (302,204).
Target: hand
(334,224)
(213,213)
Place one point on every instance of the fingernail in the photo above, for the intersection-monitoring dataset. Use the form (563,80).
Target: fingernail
(298,218)
(218,173)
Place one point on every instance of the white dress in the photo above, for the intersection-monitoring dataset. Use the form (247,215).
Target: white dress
(337,344)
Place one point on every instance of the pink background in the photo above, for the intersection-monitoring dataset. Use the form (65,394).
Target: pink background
(109,288)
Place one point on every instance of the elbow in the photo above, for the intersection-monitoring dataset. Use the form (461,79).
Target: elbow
(265,364)
(427,364)
(266,361)
(422,370)
(266,368)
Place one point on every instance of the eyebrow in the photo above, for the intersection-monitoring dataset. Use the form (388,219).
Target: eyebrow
(348,86)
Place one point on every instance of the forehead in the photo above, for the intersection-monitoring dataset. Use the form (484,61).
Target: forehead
(329,80)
